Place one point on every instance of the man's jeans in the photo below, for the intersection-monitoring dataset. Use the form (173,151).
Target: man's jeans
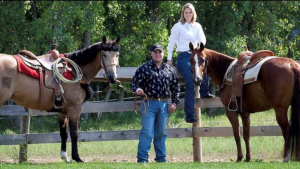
(184,67)
(153,122)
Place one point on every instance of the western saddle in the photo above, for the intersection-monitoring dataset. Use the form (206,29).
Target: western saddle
(246,60)
(44,63)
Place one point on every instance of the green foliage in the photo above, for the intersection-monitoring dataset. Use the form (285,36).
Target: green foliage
(228,25)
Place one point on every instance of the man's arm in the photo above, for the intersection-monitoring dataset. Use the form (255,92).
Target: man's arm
(136,84)
(175,89)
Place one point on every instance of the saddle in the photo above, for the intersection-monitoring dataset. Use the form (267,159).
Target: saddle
(44,63)
(245,61)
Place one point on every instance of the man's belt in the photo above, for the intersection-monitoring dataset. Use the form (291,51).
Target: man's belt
(158,99)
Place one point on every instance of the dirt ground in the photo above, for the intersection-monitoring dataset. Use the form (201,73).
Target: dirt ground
(129,159)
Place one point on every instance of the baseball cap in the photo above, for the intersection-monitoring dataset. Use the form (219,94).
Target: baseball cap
(155,47)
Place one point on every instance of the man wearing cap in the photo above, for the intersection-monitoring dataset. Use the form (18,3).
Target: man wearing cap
(154,79)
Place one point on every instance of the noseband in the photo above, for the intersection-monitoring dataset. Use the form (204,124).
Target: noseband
(105,66)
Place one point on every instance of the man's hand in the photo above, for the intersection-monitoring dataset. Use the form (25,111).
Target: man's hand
(139,92)
(172,108)
(169,62)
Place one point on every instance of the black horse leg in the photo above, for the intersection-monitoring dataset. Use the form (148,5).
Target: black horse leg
(63,126)
(74,137)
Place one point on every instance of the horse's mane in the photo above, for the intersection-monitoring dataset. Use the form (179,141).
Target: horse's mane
(88,54)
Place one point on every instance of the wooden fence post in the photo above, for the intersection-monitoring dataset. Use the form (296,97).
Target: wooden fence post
(24,129)
(197,141)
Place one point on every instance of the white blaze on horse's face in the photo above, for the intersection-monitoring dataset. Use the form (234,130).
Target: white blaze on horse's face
(198,75)
(110,64)
(196,68)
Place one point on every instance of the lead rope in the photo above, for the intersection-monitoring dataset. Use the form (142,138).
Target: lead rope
(109,85)
(144,97)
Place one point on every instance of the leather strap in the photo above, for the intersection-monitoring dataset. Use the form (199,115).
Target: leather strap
(41,88)
(145,98)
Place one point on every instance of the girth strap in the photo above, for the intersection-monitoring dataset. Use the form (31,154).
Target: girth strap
(41,88)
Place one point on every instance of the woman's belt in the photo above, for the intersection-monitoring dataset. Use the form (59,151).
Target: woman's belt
(188,51)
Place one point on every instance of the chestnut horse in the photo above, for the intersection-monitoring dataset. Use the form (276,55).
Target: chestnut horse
(25,90)
(277,87)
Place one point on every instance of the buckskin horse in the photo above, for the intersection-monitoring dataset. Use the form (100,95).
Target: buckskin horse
(277,87)
(25,90)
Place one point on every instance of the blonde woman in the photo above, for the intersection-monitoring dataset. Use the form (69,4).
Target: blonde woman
(182,33)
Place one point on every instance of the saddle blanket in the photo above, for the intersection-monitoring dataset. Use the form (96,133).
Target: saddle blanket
(250,75)
(35,73)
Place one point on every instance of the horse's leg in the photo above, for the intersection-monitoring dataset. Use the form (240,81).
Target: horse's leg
(63,126)
(282,120)
(246,133)
(73,123)
(233,118)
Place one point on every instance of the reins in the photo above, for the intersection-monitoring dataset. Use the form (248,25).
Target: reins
(109,85)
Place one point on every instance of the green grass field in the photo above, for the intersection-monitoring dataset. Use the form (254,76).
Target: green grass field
(218,152)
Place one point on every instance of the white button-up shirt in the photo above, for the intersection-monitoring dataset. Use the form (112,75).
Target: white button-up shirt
(182,35)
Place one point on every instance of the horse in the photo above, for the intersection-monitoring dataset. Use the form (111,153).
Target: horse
(24,89)
(277,87)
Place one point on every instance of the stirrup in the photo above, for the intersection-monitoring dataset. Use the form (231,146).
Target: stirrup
(232,109)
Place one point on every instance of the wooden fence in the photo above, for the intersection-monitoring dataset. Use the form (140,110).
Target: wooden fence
(124,75)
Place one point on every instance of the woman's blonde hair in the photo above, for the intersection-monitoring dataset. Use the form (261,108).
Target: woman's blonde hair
(191,6)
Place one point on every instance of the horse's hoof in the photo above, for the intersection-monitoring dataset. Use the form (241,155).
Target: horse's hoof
(64,156)
(78,160)
(239,160)
(248,159)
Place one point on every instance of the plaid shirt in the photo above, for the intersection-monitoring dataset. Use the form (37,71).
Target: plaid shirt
(156,82)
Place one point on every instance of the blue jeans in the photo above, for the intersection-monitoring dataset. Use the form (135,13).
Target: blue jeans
(154,123)
(204,87)
(184,67)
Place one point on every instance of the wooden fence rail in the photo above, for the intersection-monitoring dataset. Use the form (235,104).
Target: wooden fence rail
(124,75)
(89,136)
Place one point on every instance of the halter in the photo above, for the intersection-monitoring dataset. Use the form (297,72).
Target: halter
(106,75)
(204,69)
(105,66)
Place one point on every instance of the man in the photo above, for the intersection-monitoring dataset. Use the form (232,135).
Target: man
(154,79)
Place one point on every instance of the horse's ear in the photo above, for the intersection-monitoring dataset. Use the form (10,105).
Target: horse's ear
(191,46)
(201,46)
(117,40)
(104,40)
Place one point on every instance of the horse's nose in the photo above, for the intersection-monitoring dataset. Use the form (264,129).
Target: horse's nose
(112,79)
(198,81)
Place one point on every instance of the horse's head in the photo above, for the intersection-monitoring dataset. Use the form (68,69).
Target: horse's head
(110,58)
(198,63)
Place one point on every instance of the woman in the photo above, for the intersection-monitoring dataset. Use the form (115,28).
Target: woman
(185,31)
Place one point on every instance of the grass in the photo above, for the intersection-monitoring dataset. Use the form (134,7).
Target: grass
(220,165)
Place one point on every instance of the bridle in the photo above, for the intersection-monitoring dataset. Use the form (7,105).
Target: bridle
(105,66)
(203,63)
(106,75)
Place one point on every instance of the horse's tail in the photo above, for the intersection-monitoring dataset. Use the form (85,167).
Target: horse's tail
(293,140)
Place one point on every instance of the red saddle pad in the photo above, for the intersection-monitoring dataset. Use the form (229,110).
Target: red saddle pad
(35,73)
